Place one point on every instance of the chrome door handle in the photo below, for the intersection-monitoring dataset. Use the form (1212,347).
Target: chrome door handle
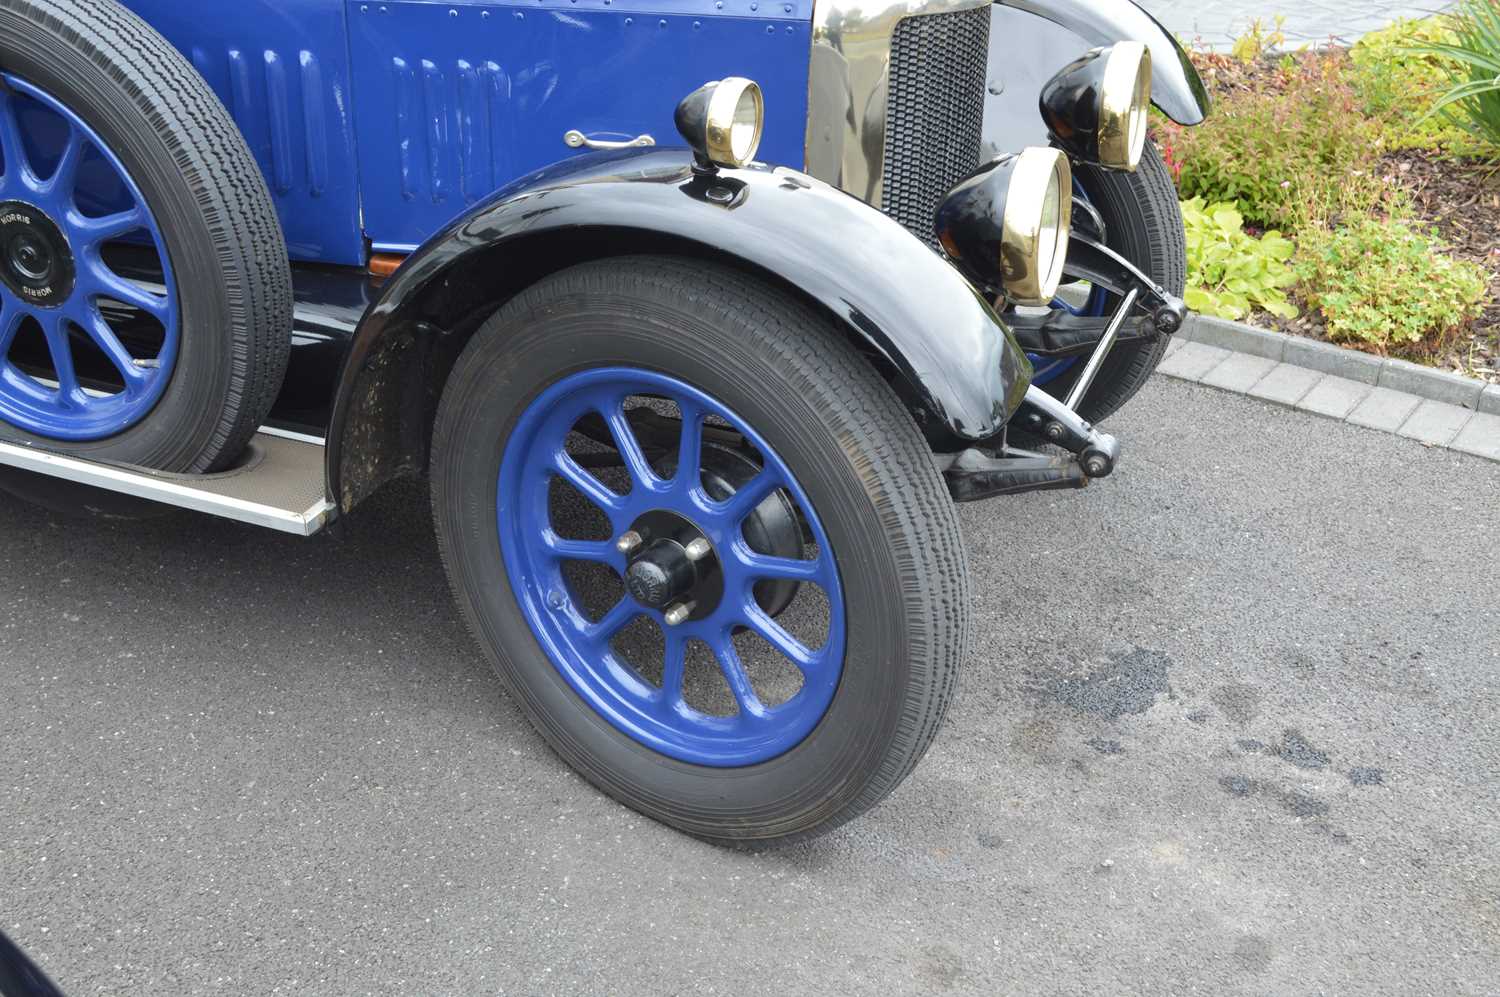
(575,139)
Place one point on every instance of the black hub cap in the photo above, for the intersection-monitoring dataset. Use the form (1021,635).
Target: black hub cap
(35,260)
(663,571)
(771,529)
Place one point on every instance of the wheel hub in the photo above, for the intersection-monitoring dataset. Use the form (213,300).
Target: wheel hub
(36,262)
(673,564)
(771,529)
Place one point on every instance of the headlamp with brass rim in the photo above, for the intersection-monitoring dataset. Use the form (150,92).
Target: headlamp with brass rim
(1096,106)
(722,121)
(1006,226)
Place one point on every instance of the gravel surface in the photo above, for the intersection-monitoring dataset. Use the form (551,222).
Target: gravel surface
(1229,728)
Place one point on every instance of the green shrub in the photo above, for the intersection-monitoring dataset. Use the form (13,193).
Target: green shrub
(1474,79)
(1295,146)
(1400,79)
(1230,272)
(1382,283)
(1257,41)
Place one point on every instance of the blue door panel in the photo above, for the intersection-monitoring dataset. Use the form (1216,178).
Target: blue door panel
(454,99)
(282,69)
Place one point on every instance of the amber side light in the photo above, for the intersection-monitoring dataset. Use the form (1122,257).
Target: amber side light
(382,265)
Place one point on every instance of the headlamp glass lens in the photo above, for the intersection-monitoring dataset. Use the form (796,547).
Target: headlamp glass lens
(744,132)
(1046,249)
(1140,105)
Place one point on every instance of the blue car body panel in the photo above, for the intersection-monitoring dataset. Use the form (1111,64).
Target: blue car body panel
(378,123)
(452,101)
(282,69)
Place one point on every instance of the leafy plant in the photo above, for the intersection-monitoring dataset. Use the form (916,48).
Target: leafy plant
(1231,272)
(1293,146)
(1400,79)
(1257,41)
(1474,83)
(1382,283)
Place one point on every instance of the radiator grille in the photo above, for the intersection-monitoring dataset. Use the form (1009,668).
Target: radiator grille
(934,112)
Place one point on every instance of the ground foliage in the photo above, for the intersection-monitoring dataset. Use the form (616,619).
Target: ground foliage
(1229,271)
(1379,281)
(1379,203)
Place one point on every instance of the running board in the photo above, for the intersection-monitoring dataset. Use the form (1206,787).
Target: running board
(279,485)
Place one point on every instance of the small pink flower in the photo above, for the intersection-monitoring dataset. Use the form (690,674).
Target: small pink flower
(1285,184)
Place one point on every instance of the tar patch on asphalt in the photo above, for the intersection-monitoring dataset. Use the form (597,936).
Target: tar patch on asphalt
(1299,751)
(1125,683)
(1295,803)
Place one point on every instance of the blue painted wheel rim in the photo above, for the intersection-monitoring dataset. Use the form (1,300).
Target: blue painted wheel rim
(659,717)
(1047,369)
(78,162)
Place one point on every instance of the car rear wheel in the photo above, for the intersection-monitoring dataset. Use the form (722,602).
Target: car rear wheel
(145,292)
(704,545)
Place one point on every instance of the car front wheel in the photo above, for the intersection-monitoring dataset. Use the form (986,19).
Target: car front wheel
(704,545)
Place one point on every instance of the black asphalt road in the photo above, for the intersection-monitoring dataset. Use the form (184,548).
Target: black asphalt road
(1229,727)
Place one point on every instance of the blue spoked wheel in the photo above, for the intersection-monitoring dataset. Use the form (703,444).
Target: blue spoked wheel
(704,544)
(676,519)
(145,293)
(53,276)
(1144,224)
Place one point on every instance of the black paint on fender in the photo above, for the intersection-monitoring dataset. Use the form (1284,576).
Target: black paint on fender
(1032,39)
(952,356)
(1175,85)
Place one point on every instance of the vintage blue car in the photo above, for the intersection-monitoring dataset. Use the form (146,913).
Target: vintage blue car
(19,976)
(698,315)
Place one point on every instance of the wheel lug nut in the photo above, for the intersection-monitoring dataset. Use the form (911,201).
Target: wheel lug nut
(678,613)
(629,541)
(698,549)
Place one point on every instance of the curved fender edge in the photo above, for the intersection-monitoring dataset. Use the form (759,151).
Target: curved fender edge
(959,364)
(1176,87)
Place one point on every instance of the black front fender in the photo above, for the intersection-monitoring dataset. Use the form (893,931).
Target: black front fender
(1175,85)
(1032,39)
(959,363)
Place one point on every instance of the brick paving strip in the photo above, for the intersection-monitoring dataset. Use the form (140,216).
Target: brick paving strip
(1431,406)
(1216,23)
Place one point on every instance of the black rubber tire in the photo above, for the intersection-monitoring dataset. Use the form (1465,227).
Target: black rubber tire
(1144,225)
(210,201)
(844,434)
